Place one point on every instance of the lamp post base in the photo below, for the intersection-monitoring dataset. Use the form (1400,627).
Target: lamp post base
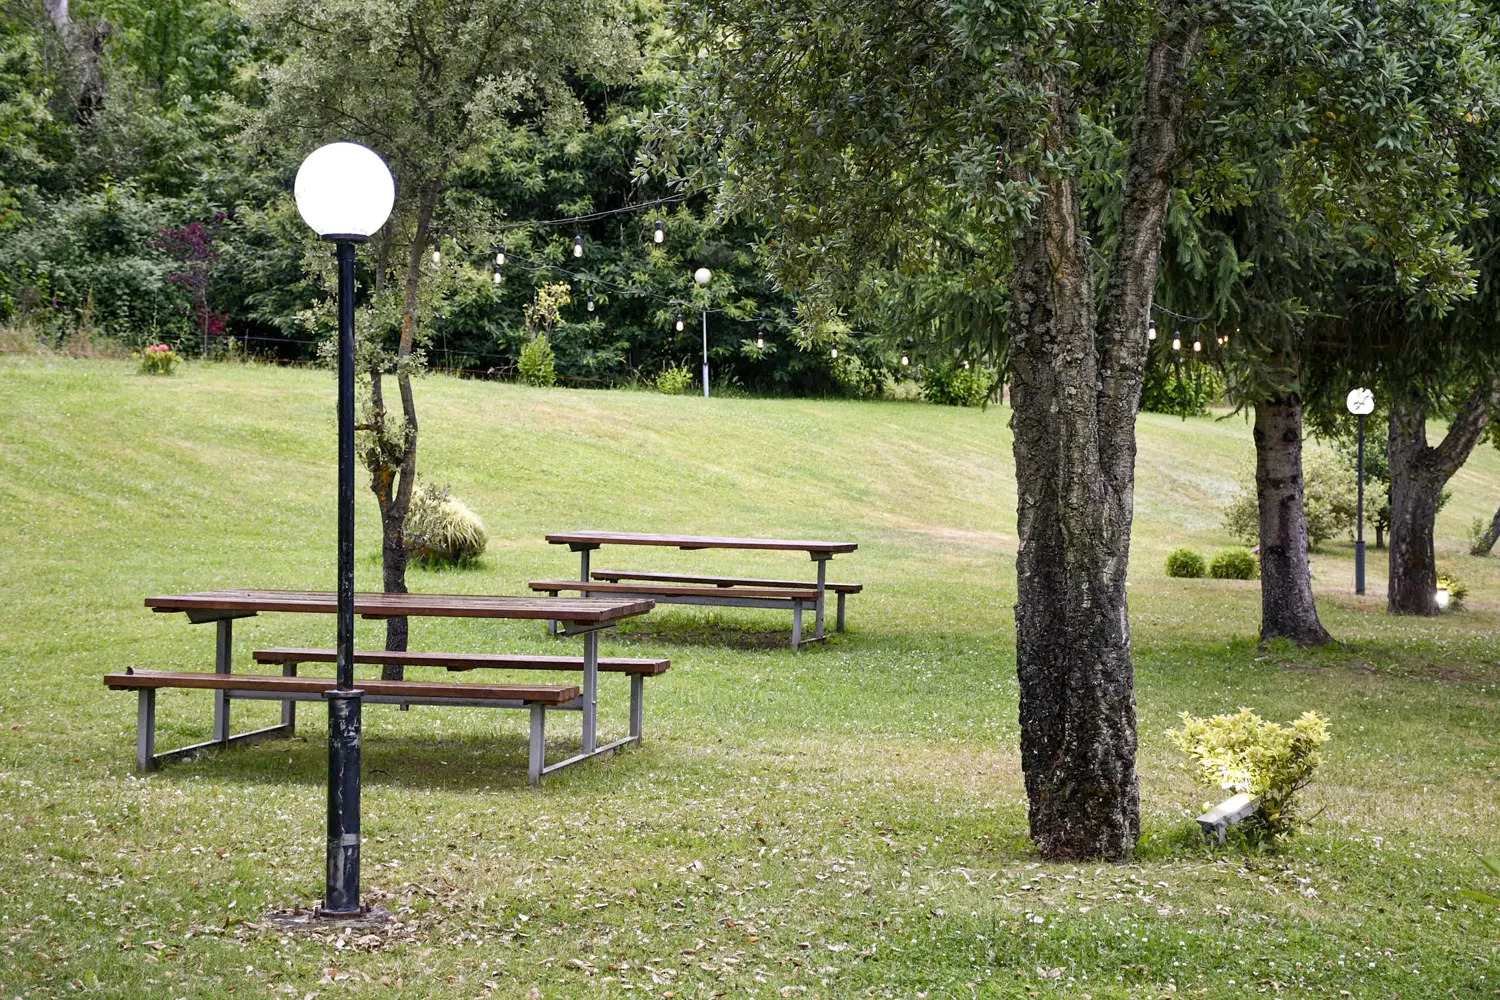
(318,918)
(1359,567)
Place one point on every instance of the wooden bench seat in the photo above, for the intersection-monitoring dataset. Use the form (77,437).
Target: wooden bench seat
(671,590)
(616,575)
(466,661)
(289,688)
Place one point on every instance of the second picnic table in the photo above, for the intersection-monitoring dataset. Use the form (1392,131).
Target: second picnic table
(676,588)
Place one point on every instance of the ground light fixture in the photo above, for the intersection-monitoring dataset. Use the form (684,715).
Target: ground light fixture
(702,276)
(1361,403)
(660,235)
(345,193)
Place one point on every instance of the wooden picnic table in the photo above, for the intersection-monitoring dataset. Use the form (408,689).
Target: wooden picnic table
(581,617)
(821,552)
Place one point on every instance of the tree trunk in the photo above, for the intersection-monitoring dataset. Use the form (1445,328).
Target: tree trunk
(1075,382)
(1486,542)
(1287,610)
(84,44)
(393,459)
(1418,474)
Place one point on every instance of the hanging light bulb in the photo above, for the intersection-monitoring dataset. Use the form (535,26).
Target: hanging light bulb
(1197,342)
(498,277)
(500,257)
(905,360)
(966,366)
(660,234)
(591,301)
(760,340)
(1176,340)
(1151,330)
(437,257)
(578,246)
(834,353)
(679,322)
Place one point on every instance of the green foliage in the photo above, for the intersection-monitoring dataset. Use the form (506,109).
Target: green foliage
(675,381)
(537,365)
(1234,564)
(1488,899)
(443,530)
(1183,391)
(158,359)
(1329,501)
(1457,589)
(1482,536)
(953,384)
(1245,753)
(1185,563)
(855,379)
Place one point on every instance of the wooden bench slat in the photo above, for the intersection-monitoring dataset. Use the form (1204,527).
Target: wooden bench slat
(465,661)
(614,575)
(695,541)
(395,605)
(667,590)
(550,694)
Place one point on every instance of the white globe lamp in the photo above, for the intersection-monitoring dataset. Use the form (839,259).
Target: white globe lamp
(344,191)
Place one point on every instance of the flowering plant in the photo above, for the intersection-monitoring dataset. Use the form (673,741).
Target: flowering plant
(158,359)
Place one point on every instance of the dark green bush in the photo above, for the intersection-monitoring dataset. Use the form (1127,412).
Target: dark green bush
(1233,564)
(955,385)
(1181,390)
(1185,563)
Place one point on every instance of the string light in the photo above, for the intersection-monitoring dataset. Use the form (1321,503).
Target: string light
(660,235)
(760,340)
(1151,330)
(500,256)
(1176,340)
(1197,342)
(905,360)
(966,366)
(679,323)
(834,353)
(437,258)
(578,246)
(591,301)
(498,276)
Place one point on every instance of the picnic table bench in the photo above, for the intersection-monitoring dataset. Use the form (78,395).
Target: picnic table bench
(585,618)
(726,591)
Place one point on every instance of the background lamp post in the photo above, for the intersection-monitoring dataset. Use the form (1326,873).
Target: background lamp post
(345,193)
(1361,403)
(702,276)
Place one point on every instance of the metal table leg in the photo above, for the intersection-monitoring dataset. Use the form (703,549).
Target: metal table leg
(822,560)
(223,654)
(590,691)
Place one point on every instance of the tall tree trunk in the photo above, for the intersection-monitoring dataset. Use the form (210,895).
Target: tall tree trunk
(1287,610)
(1486,542)
(393,459)
(1075,391)
(1418,474)
(84,44)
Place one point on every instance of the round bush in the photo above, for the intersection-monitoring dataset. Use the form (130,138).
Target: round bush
(1233,564)
(443,530)
(1185,563)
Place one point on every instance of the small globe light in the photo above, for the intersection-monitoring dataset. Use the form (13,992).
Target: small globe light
(660,234)
(1361,402)
(702,275)
(679,322)
(578,246)
(344,189)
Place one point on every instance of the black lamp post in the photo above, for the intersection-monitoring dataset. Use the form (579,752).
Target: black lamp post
(345,193)
(1360,402)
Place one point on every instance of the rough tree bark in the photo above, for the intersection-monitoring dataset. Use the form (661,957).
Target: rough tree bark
(1418,474)
(84,43)
(1486,542)
(1287,610)
(392,457)
(1075,391)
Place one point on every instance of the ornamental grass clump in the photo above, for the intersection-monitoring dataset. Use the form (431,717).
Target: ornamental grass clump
(441,530)
(1245,753)
(1233,564)
(1185,563)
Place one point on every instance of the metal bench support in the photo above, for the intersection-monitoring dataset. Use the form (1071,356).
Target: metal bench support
(840,625)
(821,558)
(637,704)
(223,660)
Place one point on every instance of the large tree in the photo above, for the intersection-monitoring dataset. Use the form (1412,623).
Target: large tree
(1046,139)
(425,83)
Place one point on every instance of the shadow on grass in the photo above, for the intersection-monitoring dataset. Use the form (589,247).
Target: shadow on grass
(699,630)
(447,762)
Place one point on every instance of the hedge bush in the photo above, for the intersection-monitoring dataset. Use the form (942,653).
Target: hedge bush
(1233,564)
(1185,563)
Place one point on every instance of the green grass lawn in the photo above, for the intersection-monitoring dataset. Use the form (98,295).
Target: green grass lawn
(844,821)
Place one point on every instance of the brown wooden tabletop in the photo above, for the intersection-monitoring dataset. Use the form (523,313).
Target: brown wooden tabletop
(395,605)
(697,542)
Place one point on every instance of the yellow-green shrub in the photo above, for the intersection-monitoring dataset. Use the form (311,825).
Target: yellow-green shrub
(1245,753)
(441,529)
